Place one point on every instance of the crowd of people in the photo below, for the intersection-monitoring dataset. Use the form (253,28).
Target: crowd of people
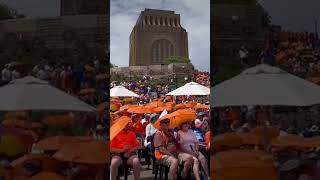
(150,135)
(46,133)
(292,150)
(299,53)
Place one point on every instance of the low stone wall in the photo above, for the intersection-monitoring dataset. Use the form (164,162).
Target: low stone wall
(156,71)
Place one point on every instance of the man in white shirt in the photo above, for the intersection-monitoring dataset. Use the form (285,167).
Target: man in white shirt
(150,130)
(243,54)
(6,74)
(15,74)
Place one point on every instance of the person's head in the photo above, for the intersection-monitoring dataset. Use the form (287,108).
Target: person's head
(128,127)
(147,117)
(164,124)
(30,169)
(154,118)
(99,128)
(198,123)
(136,118)
(185,126)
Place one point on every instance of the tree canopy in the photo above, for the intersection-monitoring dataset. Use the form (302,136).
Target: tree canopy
(176,59)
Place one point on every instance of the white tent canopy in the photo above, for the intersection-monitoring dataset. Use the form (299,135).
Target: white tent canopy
(265,85)
(30,93)
(191,89)
(120,91)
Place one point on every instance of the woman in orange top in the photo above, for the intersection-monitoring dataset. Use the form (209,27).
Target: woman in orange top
(124,147)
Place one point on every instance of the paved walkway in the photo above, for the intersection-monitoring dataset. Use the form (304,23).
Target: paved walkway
(145,174)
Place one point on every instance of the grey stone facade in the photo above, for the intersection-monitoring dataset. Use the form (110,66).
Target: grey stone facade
(156,36)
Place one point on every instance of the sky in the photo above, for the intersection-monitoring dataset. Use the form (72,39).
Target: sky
(194,17)
(35,8)
(296,15)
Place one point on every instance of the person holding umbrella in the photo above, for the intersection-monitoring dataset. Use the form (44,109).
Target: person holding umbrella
(167,149)
(123,147)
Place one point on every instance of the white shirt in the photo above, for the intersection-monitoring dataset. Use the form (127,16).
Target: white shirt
(243,53)
(150,130)
(6,74)
(42,74)
(15,74)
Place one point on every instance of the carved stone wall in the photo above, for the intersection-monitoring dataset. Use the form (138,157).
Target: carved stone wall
(156,36)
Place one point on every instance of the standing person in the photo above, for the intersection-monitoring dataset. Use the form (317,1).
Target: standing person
(6,74)
(199,132)
(124,148)
(243,54)
(167,151)
(190,145)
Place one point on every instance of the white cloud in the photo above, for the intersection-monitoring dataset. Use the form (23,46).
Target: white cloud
(195,18)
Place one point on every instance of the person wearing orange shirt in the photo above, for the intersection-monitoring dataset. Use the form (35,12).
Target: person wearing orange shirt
(124,147)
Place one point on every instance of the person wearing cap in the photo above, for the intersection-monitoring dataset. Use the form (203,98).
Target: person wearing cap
(6,74)
(137,125)
(99,133)
(310,169)
(167,151)
(190,145)
(290,170)
(150,130)
(199,131)
(124,147)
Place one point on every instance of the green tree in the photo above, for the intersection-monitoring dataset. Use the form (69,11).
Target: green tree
(176,60)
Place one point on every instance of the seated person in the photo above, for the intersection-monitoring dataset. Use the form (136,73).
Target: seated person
(167,151)
(124,147)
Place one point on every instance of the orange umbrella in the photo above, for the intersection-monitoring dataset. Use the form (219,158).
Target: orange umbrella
(58,120)
(35,159)
(93,152)
(140,110)
(288,141)
(170,104)
(155,104)
(36,125)
(201,106)
(177,118)
(191,104)
(180,106)
(56,142)
(88,91)
(161,109)
(243,165)
(47,176)
(15,123)
(229,140)
(127,106)
(14,115)
(119,125)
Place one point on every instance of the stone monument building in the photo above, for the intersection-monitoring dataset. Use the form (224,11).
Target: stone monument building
(156,36)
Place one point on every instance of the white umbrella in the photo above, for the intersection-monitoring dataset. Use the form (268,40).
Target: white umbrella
(265,85)
(30,93)
(191,89)
(120,91)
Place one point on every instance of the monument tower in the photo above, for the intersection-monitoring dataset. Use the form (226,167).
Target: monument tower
(156,36)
